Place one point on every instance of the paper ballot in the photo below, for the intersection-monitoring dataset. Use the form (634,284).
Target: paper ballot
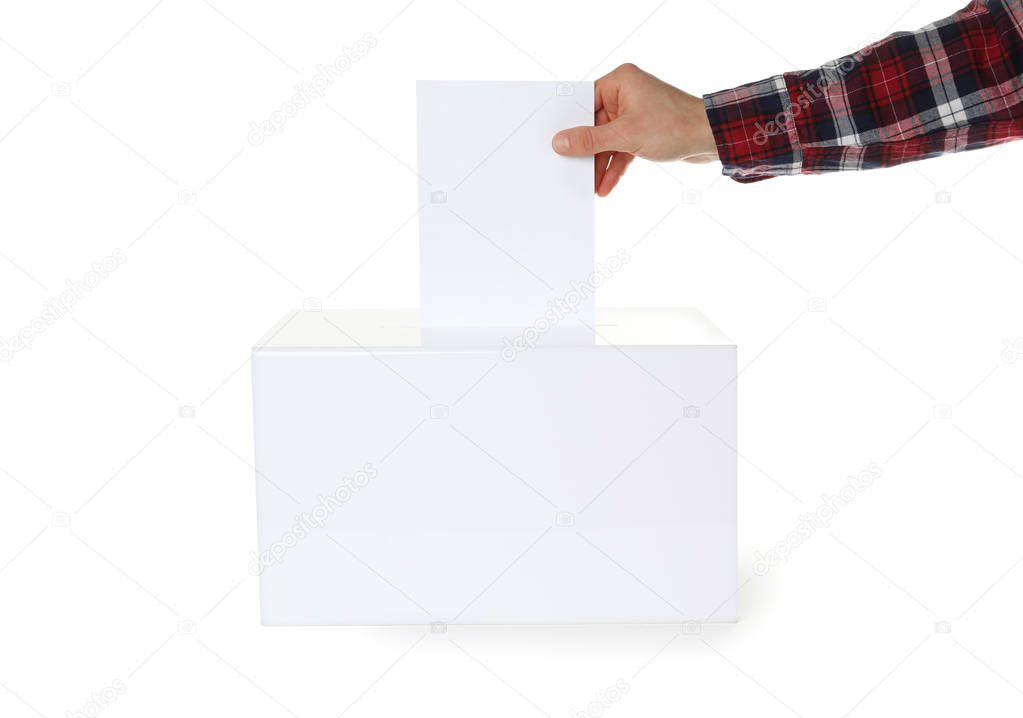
(506,225)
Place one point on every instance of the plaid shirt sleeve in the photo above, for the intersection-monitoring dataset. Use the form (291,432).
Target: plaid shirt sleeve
(954,85)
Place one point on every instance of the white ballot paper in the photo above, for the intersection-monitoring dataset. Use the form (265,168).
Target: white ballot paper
(506,230)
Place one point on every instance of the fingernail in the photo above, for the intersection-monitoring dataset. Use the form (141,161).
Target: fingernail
(560,142)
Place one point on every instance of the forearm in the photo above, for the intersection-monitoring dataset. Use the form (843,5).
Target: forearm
(954,85)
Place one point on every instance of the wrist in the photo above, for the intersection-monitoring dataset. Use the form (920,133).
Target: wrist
(701,144)
(706,144)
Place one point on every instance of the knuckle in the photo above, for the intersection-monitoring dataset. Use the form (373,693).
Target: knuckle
(582,141)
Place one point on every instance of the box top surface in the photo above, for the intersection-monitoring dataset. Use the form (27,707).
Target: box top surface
(400,328)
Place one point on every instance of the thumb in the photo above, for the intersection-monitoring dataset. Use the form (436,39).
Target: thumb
(583,141)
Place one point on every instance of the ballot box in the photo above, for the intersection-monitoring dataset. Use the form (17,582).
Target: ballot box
(488,476)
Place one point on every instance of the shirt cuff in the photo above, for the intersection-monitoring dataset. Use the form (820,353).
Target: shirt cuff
(755,131)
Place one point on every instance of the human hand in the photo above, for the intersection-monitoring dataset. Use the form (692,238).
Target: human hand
(637,115)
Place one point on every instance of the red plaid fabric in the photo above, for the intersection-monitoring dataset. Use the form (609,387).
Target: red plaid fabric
(954,85)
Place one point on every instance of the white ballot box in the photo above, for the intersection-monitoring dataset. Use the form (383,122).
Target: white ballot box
(410,475)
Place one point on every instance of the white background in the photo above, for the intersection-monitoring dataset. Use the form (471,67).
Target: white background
(126,530)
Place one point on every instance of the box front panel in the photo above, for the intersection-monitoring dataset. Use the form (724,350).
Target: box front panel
(575,485)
